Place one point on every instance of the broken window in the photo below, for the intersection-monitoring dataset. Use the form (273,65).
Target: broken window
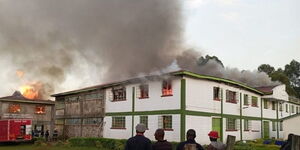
(217,93)
(92,121)
(144,91)
(74,121)
(167,88)
(118,123)
(14,108)
(40,109)
(231,96)
(254,101)
(119,93)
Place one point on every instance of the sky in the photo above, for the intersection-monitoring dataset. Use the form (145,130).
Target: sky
(245,33)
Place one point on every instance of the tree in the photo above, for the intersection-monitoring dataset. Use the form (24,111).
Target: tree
(292,71)
(202,61)
(279,75)
(268,69)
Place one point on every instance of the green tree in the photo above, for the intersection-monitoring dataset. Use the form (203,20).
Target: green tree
(268,69)
(280,76)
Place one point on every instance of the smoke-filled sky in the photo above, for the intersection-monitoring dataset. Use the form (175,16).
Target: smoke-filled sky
(68,44)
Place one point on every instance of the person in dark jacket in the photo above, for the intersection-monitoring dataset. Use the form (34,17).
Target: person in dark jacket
(215,144)
(139,141)
(288,144)
(47,135)
(190,143)
(161,144)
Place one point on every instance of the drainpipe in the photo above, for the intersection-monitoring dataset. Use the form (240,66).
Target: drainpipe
(132,116)
(261,118)
(277,119)
(222,116)
(241,130)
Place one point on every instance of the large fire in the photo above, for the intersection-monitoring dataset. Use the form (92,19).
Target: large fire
(29,91)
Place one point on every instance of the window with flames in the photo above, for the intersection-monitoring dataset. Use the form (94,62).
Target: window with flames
(167,88)
(119,93)
(14,108)
(40,109)
(143,91)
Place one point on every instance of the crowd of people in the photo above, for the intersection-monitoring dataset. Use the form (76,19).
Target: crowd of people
(140,142)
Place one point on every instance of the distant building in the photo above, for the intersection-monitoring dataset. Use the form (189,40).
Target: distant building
(41,112)
(176,102)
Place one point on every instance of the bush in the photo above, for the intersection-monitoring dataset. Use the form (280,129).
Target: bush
(111,144)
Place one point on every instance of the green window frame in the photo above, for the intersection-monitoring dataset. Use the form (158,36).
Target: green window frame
(144,120)
(118,122)
(254,101)
(167,122)
(246,99)
(273,126)
(246,125)
(280,107)
(266,104)
(273,105)
(231,124)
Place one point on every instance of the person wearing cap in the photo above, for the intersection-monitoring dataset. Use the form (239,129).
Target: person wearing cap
(161,144)
(215,145)
(139,141)
(190,143)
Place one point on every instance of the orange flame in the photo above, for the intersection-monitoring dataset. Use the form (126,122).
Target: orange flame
(29,91)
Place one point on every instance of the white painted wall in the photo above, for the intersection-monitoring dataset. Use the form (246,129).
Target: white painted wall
(202,126)
(291,125)
(152,125)
(116,133)
(155,100)
(119,106)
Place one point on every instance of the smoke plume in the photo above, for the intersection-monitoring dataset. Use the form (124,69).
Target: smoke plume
(68,44)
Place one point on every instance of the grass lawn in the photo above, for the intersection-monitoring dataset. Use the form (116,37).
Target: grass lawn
(33,147)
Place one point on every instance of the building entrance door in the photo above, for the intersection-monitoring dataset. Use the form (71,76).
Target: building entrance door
(266,129)
(216,126)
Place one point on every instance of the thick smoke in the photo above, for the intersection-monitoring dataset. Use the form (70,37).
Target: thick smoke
(68,44)
(75,42)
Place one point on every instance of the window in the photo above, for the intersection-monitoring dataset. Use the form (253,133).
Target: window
(118,123)
(246,101)
(273,105)
(217,93)
(297,110)
(247,124)
(273,126)
(119,93)
(40,109)
(14,108)
(92,121)
(280,107)
(231,124)
(293,108)
(266,104)
(60,105)
(231,96)
(286,108)
(167,122)
(280,126)
(167,88)
(73,121)
(59,121)
(93,96)
(144,91)
(254,101)
(144,120)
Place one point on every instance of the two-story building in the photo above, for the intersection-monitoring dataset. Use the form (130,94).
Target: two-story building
(41,112)
(181,100)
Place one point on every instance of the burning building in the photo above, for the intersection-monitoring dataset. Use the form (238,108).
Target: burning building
(40,112)
(176,102)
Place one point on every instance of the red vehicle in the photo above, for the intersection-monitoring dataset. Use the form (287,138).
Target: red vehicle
(15,130)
